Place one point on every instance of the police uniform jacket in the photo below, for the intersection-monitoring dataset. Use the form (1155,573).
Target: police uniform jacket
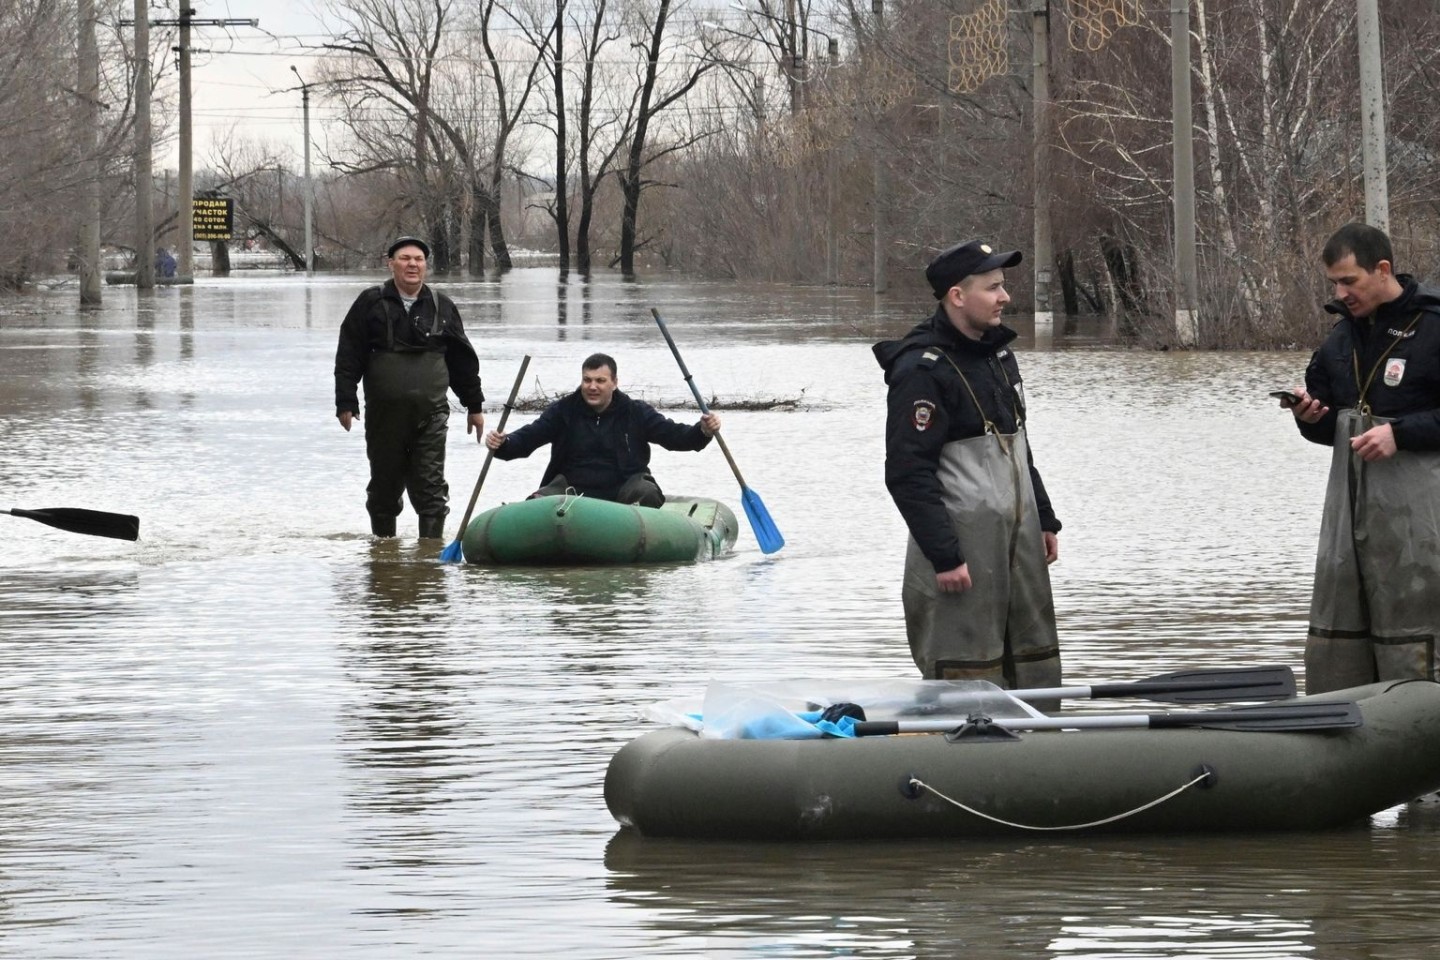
(1398,352)
(378,321)
(626,429)
(929,406)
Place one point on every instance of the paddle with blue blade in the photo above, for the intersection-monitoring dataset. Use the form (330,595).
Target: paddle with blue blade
(1299,716)
(455,552)
(766,533)
(93,523)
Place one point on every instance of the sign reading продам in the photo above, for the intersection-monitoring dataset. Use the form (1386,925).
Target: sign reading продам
(214,218)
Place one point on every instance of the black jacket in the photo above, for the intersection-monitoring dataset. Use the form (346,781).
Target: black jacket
(377,321)
(1407,328)
(929,406)
(625,429)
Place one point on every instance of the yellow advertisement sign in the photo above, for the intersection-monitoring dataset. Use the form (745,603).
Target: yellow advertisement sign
(213,218)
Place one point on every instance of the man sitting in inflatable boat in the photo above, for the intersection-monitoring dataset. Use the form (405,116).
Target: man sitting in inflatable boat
(600,439)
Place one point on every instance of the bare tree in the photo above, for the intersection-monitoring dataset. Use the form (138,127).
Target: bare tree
(669,72)
(511,86)
(392,97)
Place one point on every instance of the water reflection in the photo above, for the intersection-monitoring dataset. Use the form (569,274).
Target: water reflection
(1346,895)
(596,609)
(187,333)
(401,663)
(256,715)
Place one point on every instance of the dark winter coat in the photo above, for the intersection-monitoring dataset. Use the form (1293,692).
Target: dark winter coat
(1407,328)
(377,321)
(929,406)
(624,431)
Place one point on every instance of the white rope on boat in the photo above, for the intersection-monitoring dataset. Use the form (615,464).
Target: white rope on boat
(570,497)
(920,784)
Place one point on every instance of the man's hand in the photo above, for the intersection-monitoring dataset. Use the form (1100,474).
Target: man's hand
(475,423)
(710,424)
(954,581)
(1309,409)
(1377,443)
(1052,546)
(493,439)
(346,418)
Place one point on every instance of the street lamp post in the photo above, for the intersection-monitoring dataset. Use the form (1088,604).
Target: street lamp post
(309,190)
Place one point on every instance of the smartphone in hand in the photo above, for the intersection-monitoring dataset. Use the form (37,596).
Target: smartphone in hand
(1285,397)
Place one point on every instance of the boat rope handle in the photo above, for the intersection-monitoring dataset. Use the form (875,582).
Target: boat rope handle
(915,782)
(570,497)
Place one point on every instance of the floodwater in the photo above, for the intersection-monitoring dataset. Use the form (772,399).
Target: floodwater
(259,733)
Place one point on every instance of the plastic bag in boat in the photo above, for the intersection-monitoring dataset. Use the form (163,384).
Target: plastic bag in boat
(792,710)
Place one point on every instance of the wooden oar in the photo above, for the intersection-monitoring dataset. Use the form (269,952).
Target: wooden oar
(1341,714)
(766,533)
(94,523)
(455,552)
(1186,686)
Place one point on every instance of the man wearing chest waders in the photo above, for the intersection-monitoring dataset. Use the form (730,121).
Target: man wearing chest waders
(1372,392)
(406,343)
(957,463)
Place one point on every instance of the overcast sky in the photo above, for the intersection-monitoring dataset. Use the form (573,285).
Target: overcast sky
(242,76)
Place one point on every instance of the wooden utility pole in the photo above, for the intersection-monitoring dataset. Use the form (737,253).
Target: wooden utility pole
(144,174)
(1372,115)
(881,188)
(309,190)
(186,260)
(832,243)
(88,86)
(186,201)
(1040,117)
(1186,278)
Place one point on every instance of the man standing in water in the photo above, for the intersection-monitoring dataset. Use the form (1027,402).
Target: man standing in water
(957,463)
(600,439)
(406,342)
(1372,392)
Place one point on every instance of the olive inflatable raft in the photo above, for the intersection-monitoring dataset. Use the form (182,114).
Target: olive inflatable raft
(574,530)
(1192,777)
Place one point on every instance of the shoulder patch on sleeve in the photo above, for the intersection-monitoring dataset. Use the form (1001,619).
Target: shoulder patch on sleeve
(929,358)
(921,414)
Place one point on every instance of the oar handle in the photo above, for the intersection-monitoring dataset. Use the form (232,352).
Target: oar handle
(690,382)
(490,454)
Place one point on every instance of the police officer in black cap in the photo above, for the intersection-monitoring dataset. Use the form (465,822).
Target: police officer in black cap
(957,463)
(406,343)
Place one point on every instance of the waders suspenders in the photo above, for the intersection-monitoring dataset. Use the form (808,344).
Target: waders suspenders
(437,323)
(1005,445)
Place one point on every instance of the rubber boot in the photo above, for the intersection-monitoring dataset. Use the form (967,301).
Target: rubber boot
(382,526)
(432,528)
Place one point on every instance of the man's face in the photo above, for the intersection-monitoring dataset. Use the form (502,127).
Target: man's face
(597,387)
(408,268)
(976,303)
(1359,289)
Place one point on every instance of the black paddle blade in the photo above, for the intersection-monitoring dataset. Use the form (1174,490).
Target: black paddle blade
(1207,686)
(1298,716)
(94,523)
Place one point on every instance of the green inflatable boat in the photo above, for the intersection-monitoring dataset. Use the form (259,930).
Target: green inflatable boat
(567,530)
(673,782)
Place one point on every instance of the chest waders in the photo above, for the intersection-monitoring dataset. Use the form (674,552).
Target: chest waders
(1003,628)
(1375,609)
(405,416)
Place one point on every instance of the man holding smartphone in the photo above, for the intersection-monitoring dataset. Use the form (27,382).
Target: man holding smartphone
(1372,392)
